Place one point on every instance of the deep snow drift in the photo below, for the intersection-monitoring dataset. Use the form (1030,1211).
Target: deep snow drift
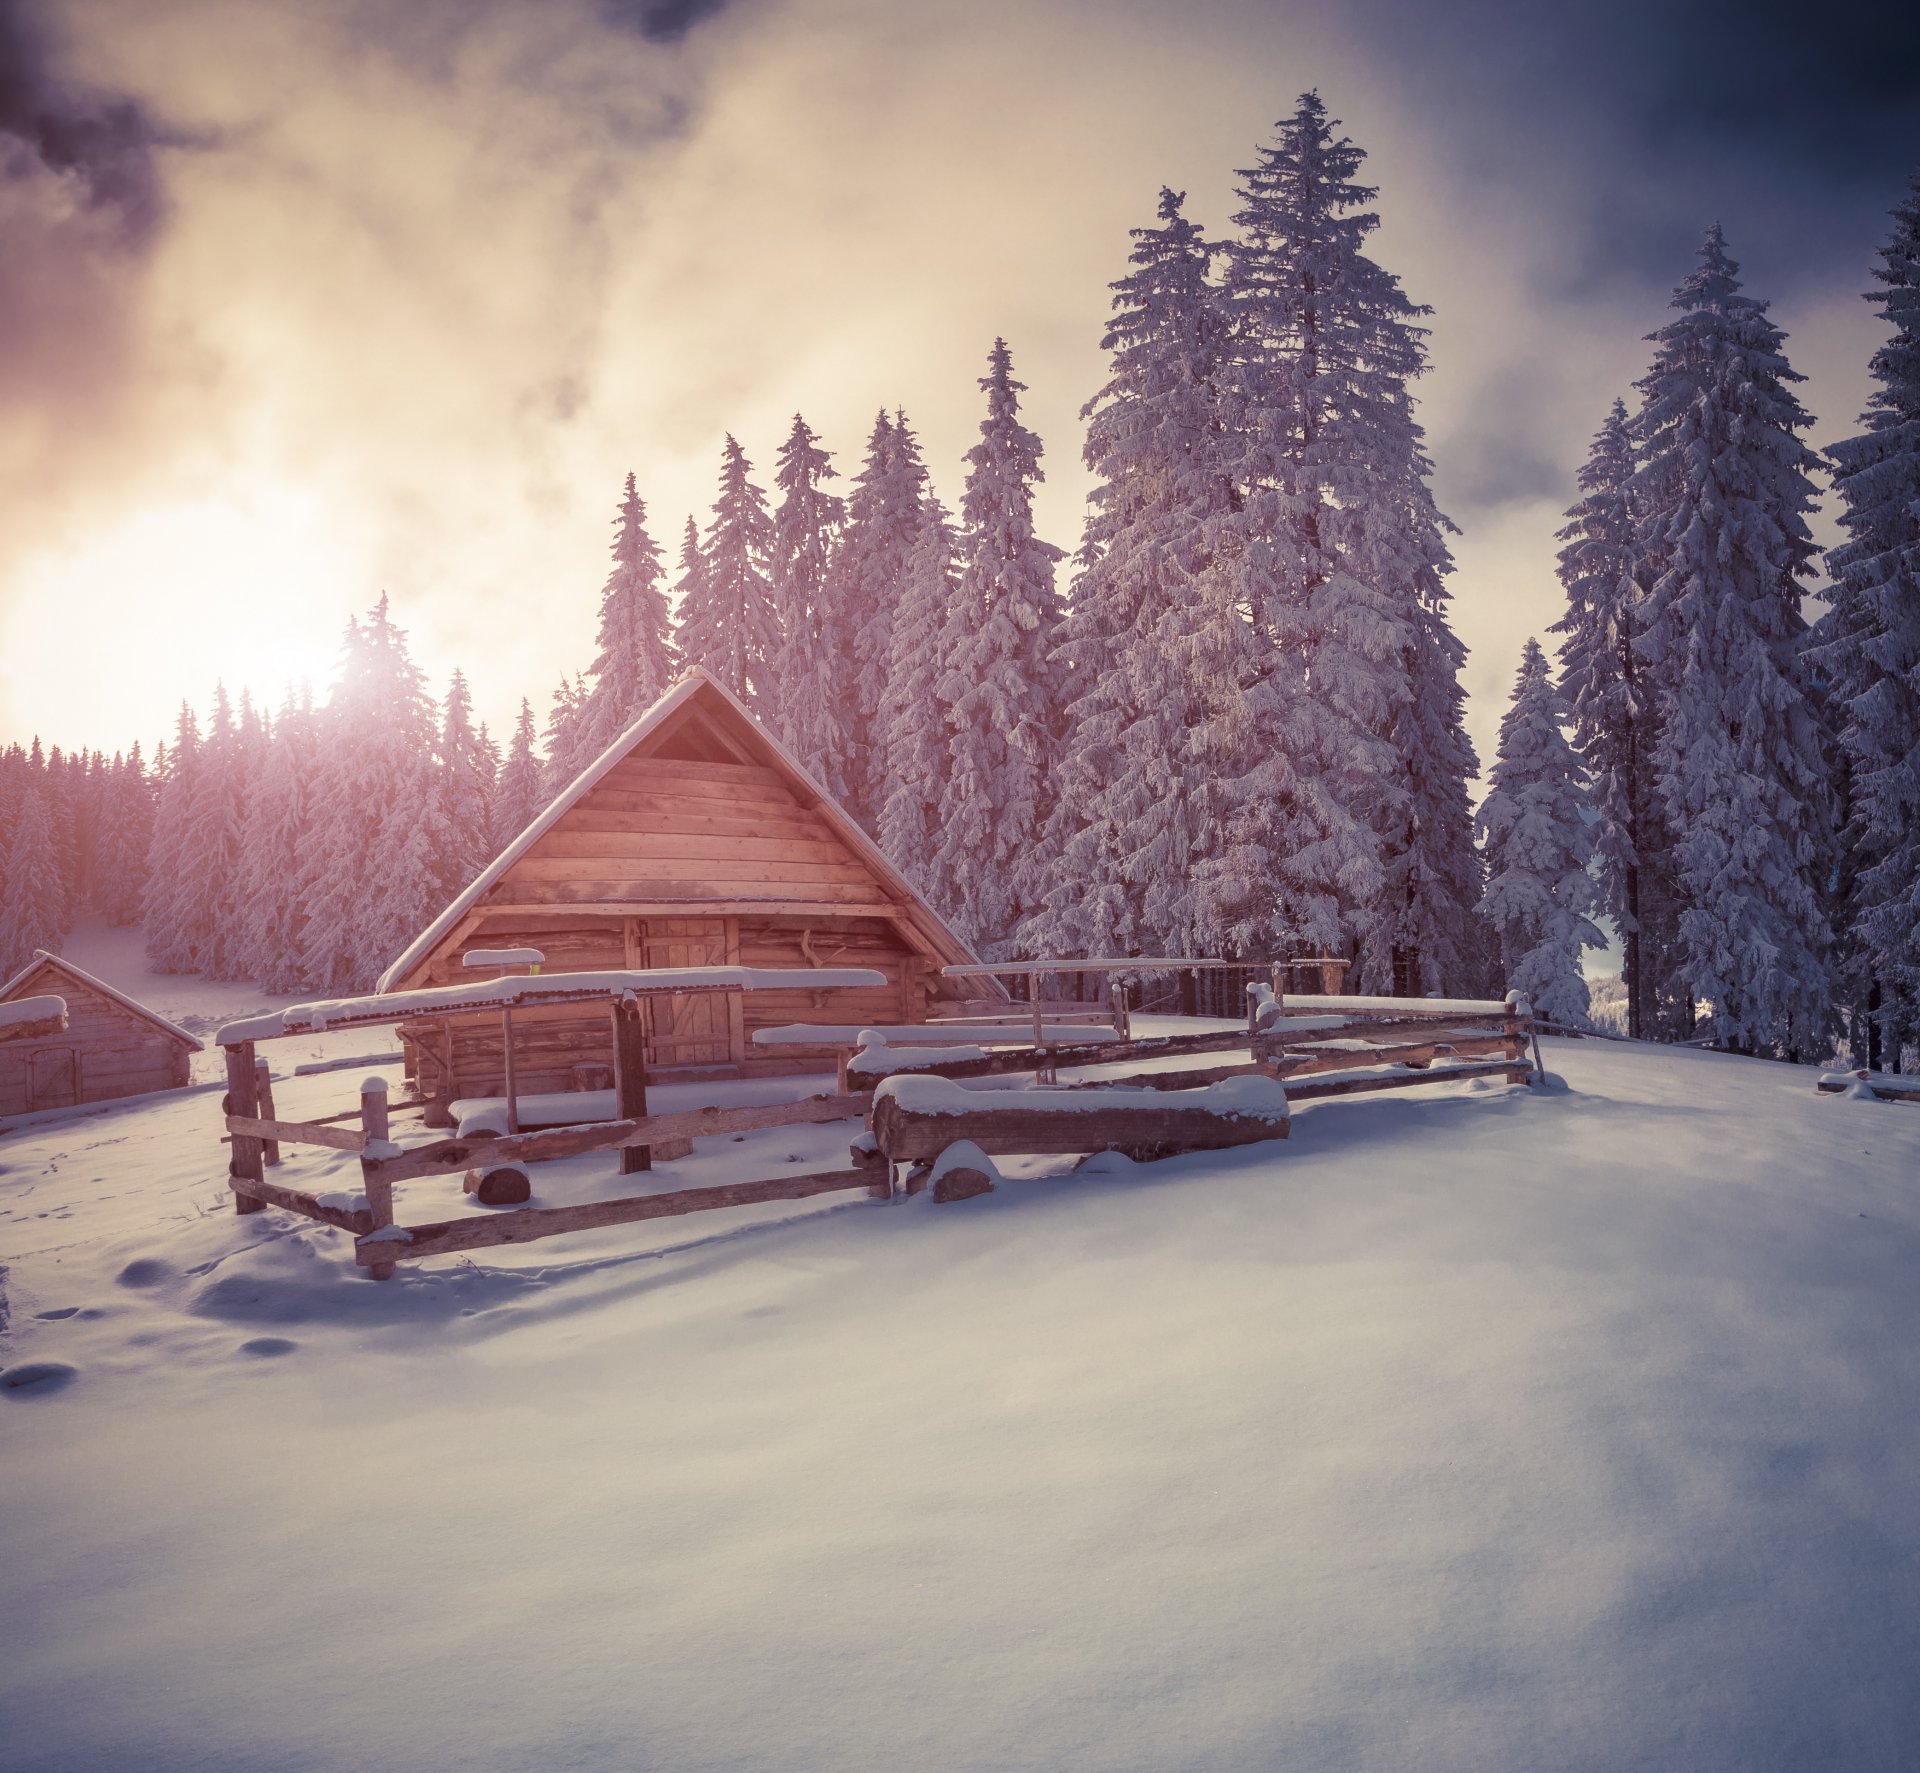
(1473,1430)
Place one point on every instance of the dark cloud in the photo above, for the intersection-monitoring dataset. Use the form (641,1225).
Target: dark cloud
(1639,124)
(105,146)
(660,21)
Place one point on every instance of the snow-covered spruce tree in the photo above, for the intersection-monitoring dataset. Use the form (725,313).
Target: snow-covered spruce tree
(210,840)
(518,799)
(126,836)
(871,564)
(1612,716)
(727,619)
(635,660)
(275,845)
(1870,650)
(914,721)
(566,756)
(1536,820)
(1003,630)
(1133,818)
(368,883)
(464,802)
(161,903)
(1348,828)
(1739,769)
(809,673)
(32,896)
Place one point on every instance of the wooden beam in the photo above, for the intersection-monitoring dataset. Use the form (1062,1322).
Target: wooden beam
(1315,1090)
(359,1221)
(245,1162)
(530,1223)
(296,1132)
(447,1155)
(263,1100)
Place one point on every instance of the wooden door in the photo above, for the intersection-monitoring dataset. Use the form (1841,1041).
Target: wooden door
(53,1080)
(689,1030)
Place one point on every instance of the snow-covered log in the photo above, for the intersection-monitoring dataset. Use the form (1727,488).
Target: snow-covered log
(916,1118)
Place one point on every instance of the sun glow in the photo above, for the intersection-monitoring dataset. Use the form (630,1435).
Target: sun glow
(249,587)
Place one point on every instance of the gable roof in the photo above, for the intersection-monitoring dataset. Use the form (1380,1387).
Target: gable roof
(41,958)
(694,684)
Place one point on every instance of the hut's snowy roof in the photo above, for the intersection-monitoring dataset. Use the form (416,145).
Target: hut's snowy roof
(695,682)
(41,958)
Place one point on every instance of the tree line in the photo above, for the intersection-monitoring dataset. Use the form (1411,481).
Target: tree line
(1238,727)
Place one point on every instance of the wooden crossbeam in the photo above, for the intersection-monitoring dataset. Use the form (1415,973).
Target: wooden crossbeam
(530,1223)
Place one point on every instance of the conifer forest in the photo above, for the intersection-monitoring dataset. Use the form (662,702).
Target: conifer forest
(1226,718)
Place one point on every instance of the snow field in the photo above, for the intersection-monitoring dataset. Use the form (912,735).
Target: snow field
(1469,1429)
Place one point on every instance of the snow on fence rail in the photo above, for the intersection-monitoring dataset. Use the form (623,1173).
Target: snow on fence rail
(920,1109)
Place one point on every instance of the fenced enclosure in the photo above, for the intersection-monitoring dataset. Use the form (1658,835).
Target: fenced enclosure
(925,1102)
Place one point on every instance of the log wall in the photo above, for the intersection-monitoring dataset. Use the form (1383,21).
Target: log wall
(106,1052)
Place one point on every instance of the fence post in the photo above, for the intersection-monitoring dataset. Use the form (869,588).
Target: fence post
(378,1189)
(243,1098)
(630,1078)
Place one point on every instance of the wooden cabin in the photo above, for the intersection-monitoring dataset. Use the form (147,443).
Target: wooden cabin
(111,1046)
(696,839)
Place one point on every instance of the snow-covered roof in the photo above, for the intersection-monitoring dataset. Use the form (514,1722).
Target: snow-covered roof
(690,684)
(32,1009)
(41,958)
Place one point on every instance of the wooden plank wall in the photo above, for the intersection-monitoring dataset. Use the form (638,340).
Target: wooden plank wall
(116,1053)
(662,829)
(549,1042)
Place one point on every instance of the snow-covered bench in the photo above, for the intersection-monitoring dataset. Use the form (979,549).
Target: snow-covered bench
(916,1119)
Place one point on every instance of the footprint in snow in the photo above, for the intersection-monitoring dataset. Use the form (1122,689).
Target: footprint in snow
(145,1271)
(57,1313)
(36,1378)
(267,1347)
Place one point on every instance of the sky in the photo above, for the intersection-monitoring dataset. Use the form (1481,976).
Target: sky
(304,302)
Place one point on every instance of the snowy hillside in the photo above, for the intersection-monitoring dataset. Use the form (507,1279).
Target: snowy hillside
(1479,1430)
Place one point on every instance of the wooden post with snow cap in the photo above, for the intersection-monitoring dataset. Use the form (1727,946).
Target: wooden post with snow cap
(630,1077)
(243,1099)
(1518,1031)
(374,1146)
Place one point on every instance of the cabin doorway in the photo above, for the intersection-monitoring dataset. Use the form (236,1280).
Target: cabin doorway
(53,1078)
(696,1029)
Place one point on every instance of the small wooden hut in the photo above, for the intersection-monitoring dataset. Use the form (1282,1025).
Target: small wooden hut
(110,1047)
(696,839)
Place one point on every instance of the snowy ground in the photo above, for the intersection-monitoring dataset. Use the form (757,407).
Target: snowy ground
(1474,1430)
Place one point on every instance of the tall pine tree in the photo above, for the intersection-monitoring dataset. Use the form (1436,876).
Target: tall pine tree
(1612,714)
(1348,828)
(463,824)
(32,895)
(1135,810)
(915,721)
(728,622)
(995,805)
(1739,771)
(368,882)
(165,905)
(809,672)
(519,798)
(276,849)
(635,660)
(1871,653)
(1536,818)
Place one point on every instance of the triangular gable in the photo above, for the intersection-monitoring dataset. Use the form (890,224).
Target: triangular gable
(703,716)
(43,961)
